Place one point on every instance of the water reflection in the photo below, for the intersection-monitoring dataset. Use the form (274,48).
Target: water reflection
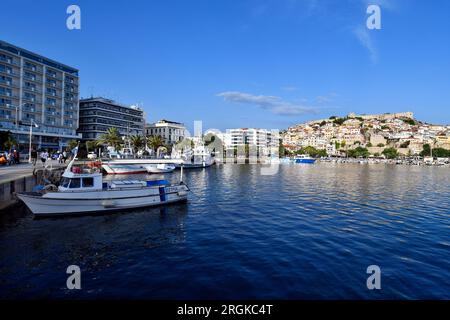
(306,232)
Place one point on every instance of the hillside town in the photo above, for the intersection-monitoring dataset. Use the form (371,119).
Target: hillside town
(388,134)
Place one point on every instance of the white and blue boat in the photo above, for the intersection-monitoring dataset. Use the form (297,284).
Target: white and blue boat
(84,191)
(304,158)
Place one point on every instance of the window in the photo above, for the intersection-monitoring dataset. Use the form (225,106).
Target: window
(65,182)
(88,182)
(74,183)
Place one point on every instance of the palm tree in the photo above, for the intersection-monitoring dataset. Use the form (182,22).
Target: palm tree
(111,138)
(138,142)
(10,142)
(155,142)
(72,144)
(90,145)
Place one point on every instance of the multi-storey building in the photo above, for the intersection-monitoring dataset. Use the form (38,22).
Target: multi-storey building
(264,140)
(99,114)
(37,91)
(171,132)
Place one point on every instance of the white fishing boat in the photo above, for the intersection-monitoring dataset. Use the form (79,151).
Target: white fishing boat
(84,191)
(123,168)
(160,168)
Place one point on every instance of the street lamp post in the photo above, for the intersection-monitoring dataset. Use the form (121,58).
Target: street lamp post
(31,133)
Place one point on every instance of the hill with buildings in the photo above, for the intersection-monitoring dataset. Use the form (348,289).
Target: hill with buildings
(362,135)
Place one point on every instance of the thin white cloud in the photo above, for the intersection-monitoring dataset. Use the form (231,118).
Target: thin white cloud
(273,104)
(364,38)
(289,88)
(322,99)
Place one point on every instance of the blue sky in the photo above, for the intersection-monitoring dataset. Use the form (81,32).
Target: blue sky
(248,63)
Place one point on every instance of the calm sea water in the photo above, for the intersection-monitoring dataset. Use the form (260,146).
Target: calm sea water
(308,232)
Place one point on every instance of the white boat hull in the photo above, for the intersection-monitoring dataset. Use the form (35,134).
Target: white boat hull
(160,168)
(123,169)
(66,203)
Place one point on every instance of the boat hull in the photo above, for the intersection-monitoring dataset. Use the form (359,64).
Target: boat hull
(60,204)
(123,169)
(160,168)
(309,161)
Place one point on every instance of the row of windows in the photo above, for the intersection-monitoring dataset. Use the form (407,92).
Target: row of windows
(74,183)
(110,115)
(112,108)
(163,130)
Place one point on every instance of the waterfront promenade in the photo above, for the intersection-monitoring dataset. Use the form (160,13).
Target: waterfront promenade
(10,173)
(20,178)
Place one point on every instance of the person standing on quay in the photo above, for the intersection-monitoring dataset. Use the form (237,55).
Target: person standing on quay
(44,157)
(16,156)
(64,154)
(33,156)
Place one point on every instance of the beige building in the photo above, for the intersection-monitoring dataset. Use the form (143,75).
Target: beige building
(170,131)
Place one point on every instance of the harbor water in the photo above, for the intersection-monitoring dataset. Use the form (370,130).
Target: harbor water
(304,232)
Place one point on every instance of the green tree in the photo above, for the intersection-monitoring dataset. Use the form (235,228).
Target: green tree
(369,145)
(154,142)
(138,142)
(405,144)
(7,140)
(72,144)
(426,151)
(91,145)
(390,153)
(281,149)
(339,121)
(358,152)
(111,138)
(10,143)
(380,145)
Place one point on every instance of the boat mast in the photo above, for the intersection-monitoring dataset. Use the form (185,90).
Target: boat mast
(69,166)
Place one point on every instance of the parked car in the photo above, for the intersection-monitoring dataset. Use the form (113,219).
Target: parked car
(3,160)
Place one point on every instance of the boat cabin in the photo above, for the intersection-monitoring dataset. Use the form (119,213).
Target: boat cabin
(71,182)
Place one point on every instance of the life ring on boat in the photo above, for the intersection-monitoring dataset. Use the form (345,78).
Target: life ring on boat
(50,187)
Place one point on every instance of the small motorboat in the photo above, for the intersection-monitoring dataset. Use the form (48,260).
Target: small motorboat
(160,168)
(304,158)
(84,191)
(123,168)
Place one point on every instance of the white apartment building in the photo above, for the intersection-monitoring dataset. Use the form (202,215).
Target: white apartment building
(170,131)
(264,140)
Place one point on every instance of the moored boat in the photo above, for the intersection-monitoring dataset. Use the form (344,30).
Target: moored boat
(84,191)
(303,158)
(160,168)
(123,168)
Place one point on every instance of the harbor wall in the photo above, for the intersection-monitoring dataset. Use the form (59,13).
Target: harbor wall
(24,184)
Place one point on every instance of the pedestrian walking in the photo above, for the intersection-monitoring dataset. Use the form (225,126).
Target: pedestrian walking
(33,157)
(44,157)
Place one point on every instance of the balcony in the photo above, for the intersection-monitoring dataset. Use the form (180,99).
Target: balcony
(9,61)
(32,89)
(30,78)
(31,109)
(31,99)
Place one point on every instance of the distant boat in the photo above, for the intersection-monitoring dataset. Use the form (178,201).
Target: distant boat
(123,168)
(160,168)
(303,158)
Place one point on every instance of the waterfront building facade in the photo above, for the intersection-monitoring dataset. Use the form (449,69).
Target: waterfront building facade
(40,92)
(262,139)
(170,131)
(98,114)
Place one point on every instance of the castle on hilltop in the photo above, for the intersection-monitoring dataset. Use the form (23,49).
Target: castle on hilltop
(384,116)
